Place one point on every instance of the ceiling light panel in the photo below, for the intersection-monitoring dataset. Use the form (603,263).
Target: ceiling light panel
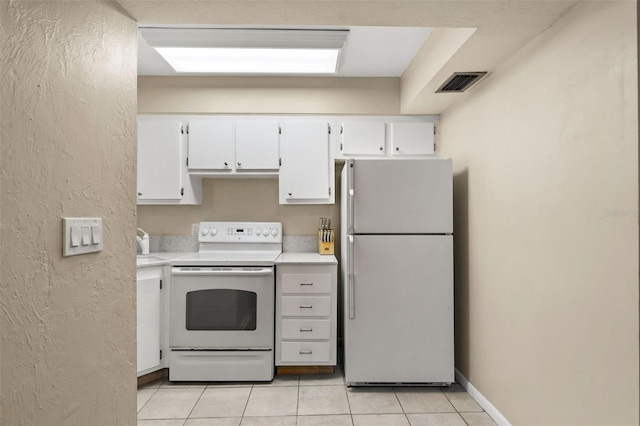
(249,61)
(248,51)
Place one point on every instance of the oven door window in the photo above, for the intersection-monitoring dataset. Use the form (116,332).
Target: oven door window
(222,309)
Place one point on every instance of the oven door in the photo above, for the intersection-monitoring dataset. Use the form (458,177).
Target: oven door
(222,308)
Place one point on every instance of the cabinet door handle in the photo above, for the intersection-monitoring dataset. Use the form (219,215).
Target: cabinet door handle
(307,352)
(306,283)
(239,163)
(226,164)
(306,306)
(306,329)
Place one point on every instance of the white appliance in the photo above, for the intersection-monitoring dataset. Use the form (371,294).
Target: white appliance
(222,304)
(397,266)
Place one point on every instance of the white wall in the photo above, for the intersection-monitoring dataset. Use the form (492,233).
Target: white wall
(268,95)
(67,325)
(546,221)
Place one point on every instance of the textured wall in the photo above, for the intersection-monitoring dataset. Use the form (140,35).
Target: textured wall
(67,325)
(546,222)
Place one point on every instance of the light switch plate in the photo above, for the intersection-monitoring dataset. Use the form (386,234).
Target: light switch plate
(89,241)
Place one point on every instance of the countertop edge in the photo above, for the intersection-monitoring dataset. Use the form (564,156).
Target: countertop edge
(286,258)
(304,258)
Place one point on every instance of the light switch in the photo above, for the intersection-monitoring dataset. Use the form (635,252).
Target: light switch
(96,234)
(86,236)
(75,236)
(81,235)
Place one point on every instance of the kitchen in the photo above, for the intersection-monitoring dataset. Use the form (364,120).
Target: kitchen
(520,326)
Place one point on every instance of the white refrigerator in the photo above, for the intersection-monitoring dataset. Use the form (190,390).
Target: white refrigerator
(397,271)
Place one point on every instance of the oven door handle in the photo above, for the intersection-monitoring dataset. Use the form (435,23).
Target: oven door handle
(222,271)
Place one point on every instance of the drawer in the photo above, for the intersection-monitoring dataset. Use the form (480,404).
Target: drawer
(306,329)
(305,352)
(311,306)
(306,283)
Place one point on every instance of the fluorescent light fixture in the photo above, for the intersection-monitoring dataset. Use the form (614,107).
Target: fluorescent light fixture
(248,51)
(248,61)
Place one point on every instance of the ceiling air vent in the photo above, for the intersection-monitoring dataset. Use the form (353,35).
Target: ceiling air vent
(460,81)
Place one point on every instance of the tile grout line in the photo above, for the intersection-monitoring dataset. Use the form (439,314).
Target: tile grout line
(194,405)
(246,404)
(406,416)
(399,402)
(344,385)
(143,405)
(298,401)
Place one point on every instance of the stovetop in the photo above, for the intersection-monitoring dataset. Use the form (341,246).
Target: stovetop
(235,244)
(228,258)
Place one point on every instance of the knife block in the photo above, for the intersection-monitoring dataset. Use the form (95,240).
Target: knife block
(324,247)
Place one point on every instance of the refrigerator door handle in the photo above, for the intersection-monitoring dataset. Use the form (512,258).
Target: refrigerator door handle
(351,279)
(350,197)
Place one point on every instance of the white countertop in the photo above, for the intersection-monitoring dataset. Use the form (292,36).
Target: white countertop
(165,258)
(158,258)
(306,259)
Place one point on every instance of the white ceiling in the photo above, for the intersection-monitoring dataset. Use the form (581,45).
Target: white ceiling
(467,35)
(368,52)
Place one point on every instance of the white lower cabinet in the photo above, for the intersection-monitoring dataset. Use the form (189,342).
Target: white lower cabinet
(306,314)
(150,308)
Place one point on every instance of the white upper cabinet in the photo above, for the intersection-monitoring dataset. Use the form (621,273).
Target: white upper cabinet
(412,139)
(362,138)
(159,160)
(163,177)
(393,136)
(211,145)
(257,146)
(175,152)
(234,147)
(307,173)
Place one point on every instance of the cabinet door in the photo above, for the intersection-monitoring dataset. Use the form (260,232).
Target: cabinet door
(363,138)
(159,160)
(210,145)
(411,138)
(257,146)
(148,326)
(306,161)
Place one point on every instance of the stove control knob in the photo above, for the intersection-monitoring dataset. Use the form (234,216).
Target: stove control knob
(258,232)
(274,232)
(213,231)
(204,231)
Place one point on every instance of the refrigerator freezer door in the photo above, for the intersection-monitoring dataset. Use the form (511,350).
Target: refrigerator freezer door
(418,191)
(399,327)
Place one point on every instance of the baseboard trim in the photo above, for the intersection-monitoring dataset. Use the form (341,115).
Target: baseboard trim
(487,406)
(153,376)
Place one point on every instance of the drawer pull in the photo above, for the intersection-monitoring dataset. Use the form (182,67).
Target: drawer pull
(306,283)
(307,352)
(306,329)
(306,306)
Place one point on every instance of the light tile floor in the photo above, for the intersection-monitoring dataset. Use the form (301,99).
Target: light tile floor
(305,400)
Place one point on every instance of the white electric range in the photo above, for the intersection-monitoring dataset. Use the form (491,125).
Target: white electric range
(222,304)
